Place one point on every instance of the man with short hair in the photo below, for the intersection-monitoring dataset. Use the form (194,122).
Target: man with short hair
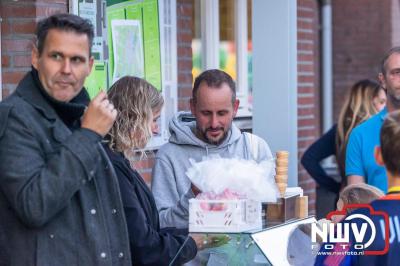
(59,196)
(360,164)
(214,105)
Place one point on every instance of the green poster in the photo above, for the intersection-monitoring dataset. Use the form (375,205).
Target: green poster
(151,38)
(134,44)
(97,79)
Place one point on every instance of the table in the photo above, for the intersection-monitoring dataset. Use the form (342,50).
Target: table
(240,250)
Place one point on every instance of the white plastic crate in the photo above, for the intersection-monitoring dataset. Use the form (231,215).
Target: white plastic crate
(224,216)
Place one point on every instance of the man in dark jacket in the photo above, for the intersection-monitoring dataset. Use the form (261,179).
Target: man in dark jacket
(59,197)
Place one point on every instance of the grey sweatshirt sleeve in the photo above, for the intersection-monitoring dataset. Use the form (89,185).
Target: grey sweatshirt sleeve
(173,208)
(264,150)
(259,149)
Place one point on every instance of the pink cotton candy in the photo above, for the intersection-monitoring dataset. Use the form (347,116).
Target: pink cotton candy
(227,194)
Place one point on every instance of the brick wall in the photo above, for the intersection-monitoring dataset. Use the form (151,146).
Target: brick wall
(184,15)
(308,87)
(17,29)
(361,35)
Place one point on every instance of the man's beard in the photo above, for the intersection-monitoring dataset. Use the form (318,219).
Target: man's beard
(394,99)
(213,142)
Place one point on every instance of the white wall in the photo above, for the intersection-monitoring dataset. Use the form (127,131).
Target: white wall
(275,76)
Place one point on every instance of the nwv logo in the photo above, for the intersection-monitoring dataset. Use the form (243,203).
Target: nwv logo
(353,229)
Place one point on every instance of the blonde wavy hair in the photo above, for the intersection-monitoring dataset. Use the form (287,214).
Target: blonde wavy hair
(135,100)
(357,108)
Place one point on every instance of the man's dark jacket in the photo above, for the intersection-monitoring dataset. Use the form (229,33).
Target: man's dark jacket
(59,197)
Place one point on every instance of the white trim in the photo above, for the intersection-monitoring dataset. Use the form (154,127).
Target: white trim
(74,7)
(168,47)
(242,73)
(327,92)
(209,17)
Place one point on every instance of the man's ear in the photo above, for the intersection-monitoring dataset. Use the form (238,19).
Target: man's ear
(91,62)
(235,107)
(378,156)
(35,57)
(192,106)
(382,80)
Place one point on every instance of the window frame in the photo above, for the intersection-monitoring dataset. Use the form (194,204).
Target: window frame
(168,52)
(210,26)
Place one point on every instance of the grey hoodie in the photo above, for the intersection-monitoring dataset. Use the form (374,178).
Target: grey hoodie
(171,186)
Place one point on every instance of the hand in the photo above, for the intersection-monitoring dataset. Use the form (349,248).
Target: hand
(100,114)
(196,191)
(209,241)
(200,240)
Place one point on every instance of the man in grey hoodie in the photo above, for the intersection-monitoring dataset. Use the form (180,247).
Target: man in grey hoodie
(213,105)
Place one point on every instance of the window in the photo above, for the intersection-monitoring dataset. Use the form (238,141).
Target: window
(134,38)
(222,39)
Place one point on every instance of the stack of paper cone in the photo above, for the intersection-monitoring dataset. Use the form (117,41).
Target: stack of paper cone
(282,188)
(281,177)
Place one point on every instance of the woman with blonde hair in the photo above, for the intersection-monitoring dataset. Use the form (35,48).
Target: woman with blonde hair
(139,105)
(365,99)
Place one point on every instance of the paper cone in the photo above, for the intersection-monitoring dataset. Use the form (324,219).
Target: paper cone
(281,179)
(282,163)
(282,188)
(281,170)
(282,154)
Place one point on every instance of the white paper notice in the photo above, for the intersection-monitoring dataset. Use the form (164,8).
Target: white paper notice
(127,48)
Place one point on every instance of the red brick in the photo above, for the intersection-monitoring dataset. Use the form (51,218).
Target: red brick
(22,60)
(45,11)
(183,105)
(184,64)
(301,35)
(185,93)
(5,61)
(146,177)
(184,23)
(19,45)
(305,14)
(307,132)
(144,164)
(305,46)
(185,51)
(185,37)
(184,77)
(24,27)
(301,24)
(12,77)
(307,79)
(184,10)
(19,11)
(306,89)
(306,3)
(64,2)
(305,68)
(306,122)
(6,29)
(305,111)
(305,57)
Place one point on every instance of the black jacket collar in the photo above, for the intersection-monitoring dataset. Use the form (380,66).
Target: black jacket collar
(27,90)
(31,89)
